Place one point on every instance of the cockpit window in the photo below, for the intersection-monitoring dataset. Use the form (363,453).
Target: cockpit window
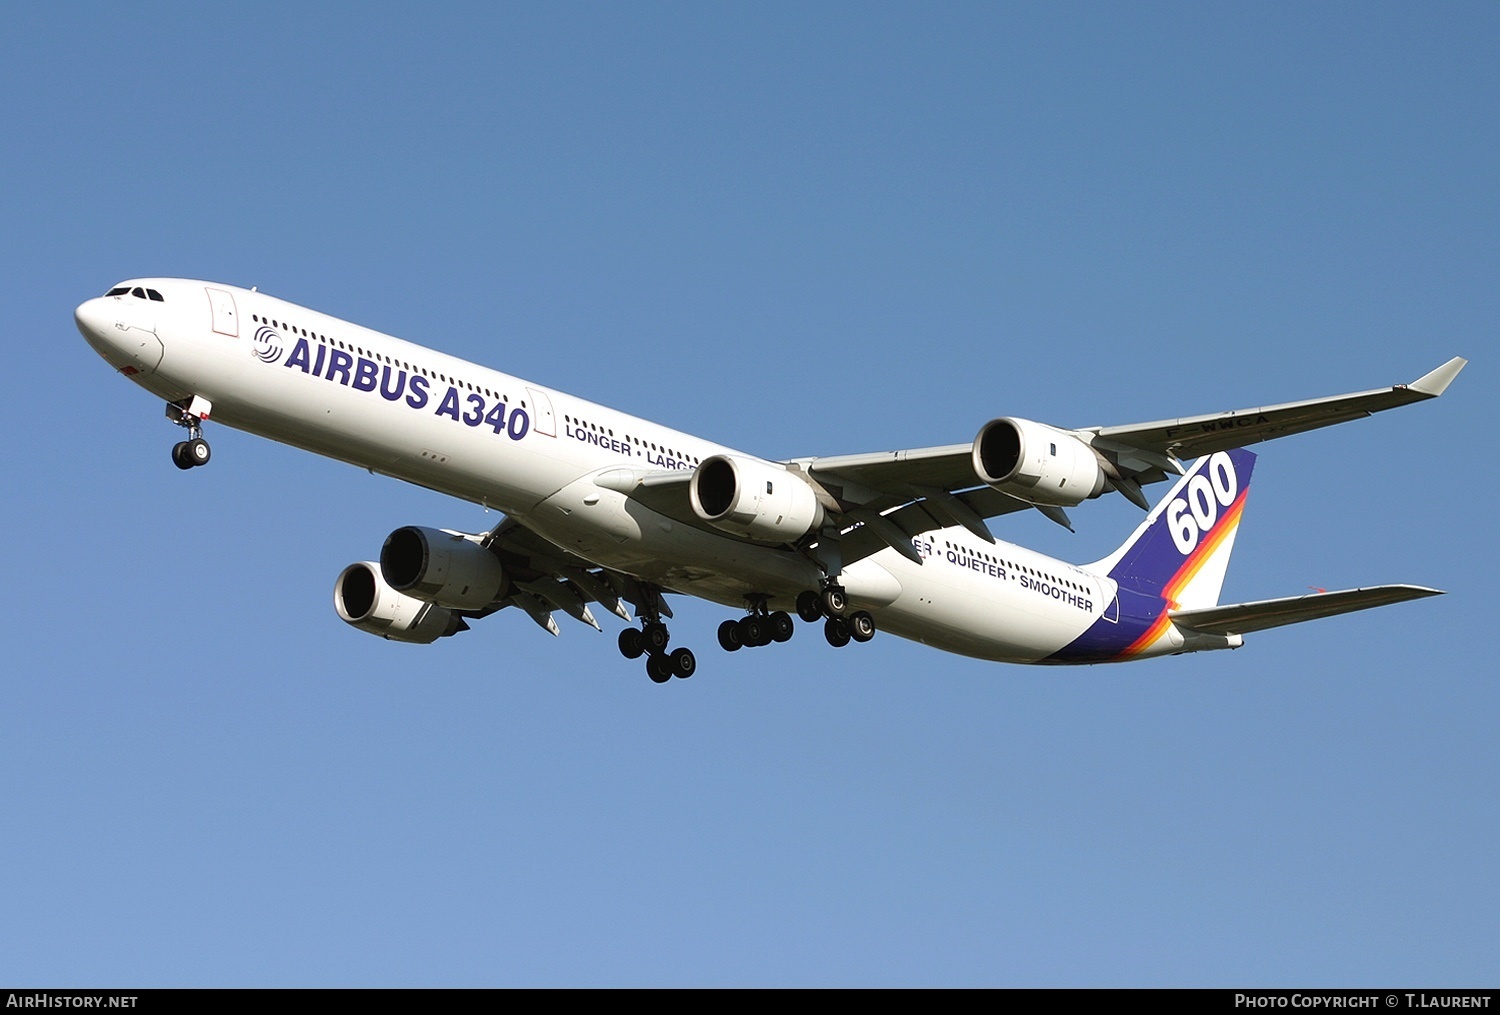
(139,292)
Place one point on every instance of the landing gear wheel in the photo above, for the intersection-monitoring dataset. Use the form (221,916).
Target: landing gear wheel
(729,636)
(754,631)
(861,626)
(836,630)
(781,626)
(835,601)
(682,662)
(197,452)
(656,636)
(658,668)
(809,606)
(179,455)
(632,645)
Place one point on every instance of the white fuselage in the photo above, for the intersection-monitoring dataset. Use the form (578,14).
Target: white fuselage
(303,378)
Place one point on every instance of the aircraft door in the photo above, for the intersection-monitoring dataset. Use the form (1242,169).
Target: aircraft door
(221,305)
(542,419)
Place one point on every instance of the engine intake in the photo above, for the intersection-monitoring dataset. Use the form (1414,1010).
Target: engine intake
(754,499)
(364,600)
(441,567)
(1037,463)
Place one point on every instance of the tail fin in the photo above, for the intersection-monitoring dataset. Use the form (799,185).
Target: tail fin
(1181,551)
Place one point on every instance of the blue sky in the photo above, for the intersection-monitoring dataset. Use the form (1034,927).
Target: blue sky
(797,231)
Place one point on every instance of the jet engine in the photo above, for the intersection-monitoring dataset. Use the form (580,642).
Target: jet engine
(1037,463)
(754,499)
(364,600)
(445,568)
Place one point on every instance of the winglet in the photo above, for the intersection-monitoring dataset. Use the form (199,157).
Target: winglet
(1436,382)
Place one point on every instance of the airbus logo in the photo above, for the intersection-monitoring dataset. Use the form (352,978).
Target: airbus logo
(267,346)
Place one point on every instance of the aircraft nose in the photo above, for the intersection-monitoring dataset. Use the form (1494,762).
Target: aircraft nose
(114,331)
(92,318)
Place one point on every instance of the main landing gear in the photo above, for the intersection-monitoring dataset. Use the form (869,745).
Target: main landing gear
(761,627)
(194,451)
(831,605)
(831,602)
(651,640)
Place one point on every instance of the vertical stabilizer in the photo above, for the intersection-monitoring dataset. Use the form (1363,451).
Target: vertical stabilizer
(1181,551)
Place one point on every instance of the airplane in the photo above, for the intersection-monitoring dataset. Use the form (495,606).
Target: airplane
(604,508)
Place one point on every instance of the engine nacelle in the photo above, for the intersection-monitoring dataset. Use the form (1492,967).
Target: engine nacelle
(1037,463)
(364,600)
(440,567)
(754,499)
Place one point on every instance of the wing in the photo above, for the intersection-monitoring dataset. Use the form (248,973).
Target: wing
(1243,618)
(1153,446)
(926,488)
(1195,436)
(545,578)
(885,499)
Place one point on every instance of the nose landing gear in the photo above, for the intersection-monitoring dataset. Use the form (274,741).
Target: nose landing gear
(190,453)
(190,414)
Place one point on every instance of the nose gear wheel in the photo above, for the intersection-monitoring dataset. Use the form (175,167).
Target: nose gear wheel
(194,451)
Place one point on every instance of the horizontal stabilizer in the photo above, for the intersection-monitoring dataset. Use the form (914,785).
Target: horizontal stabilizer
(1243,618)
